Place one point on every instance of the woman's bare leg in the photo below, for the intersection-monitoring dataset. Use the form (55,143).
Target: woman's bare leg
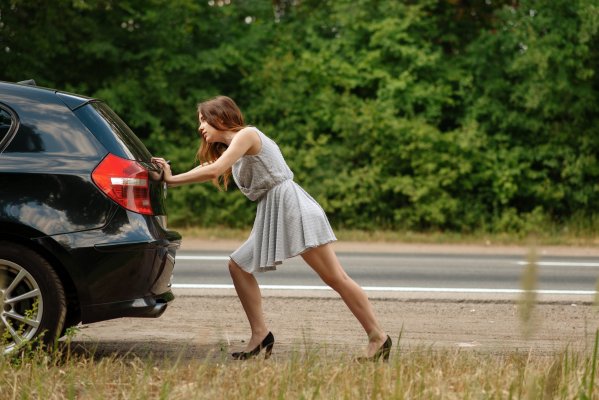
(324,261)
(249,294)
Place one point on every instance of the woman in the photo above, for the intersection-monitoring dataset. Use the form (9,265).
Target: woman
(288,222)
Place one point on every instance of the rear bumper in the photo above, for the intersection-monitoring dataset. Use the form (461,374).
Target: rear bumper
(146,307)
(121,270)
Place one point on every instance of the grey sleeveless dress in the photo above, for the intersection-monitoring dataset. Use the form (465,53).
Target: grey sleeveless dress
(288,220)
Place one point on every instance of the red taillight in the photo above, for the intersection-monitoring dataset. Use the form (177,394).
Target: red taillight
(124,181)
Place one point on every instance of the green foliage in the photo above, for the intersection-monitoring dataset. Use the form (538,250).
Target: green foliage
(429,115)
(536,99)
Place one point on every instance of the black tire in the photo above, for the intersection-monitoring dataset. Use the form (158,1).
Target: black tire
(32,299)
(72,319)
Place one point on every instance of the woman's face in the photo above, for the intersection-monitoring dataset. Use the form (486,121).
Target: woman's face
(207,131)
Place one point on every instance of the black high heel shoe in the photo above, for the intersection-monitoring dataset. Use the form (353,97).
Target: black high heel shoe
(267,344)
(384,351)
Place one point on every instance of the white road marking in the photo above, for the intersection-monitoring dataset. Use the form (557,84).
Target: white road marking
(390,289)
(561,264)
(204,258)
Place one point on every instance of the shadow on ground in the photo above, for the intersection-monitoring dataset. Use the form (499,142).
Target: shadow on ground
(182,351)
(148,349)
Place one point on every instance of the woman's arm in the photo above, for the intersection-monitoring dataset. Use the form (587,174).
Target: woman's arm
(241,143)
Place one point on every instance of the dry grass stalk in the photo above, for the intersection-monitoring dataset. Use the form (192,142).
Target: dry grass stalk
(528,298)
(316,374)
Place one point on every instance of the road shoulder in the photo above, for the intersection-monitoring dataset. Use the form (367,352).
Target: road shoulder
(211,326)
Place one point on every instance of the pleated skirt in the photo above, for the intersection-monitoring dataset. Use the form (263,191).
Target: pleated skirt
(288,222)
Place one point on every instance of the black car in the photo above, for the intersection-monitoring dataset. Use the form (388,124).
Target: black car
(83,233)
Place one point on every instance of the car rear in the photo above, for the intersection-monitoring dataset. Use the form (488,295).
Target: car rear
(79,189)
(135,250)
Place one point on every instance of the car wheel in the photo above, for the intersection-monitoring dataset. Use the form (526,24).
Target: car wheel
(32,300)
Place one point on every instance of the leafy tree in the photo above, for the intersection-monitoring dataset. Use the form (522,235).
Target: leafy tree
(534,93)
(437,114)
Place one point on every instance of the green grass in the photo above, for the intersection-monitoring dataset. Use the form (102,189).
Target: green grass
(411,374)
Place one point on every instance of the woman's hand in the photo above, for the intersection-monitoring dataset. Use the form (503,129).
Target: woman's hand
(166,168)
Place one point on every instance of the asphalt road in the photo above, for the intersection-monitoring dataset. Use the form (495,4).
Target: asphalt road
(416,272)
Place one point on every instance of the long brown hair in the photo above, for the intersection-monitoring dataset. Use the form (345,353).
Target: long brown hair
(222,113)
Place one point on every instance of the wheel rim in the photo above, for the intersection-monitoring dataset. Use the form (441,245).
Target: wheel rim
(21,305)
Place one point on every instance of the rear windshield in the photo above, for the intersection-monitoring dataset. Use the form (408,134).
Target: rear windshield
(112,132)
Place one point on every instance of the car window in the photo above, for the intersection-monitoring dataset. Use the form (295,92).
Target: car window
(112,132)
(50,127)
(6,124)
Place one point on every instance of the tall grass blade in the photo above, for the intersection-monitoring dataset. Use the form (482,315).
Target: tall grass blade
(594,365)
(529,295)
(596,299)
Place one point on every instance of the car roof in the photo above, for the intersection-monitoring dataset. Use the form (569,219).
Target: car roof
(72,100)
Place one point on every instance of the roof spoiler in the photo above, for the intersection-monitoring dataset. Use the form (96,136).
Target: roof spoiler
(30,82)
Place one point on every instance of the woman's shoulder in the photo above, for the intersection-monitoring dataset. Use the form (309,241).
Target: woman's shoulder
(252,136)
(250,133)
(249,128)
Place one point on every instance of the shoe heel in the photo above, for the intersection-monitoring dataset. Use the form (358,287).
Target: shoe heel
(386,355)
(386,349)
(268,351)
